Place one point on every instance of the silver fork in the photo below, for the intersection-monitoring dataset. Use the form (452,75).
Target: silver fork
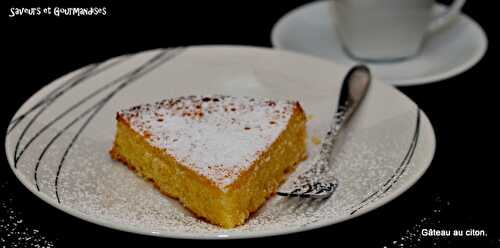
(318,181)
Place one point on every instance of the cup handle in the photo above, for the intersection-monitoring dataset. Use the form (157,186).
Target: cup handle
(447,17)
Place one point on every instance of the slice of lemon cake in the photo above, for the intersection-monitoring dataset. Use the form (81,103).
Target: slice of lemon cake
(221,156)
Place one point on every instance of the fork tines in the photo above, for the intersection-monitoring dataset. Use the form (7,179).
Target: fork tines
(316,190)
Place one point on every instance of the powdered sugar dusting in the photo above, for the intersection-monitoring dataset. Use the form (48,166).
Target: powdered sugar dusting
(216,136)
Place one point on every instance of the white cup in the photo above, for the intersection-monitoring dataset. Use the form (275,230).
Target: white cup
(385,30)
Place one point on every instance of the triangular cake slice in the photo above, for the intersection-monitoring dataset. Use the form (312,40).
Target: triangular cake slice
(221,156)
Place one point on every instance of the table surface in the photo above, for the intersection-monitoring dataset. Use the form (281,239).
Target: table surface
(457,192)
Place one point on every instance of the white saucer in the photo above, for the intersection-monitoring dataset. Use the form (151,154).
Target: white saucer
(309,29)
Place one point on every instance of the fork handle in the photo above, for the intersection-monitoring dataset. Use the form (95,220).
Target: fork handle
(352,92)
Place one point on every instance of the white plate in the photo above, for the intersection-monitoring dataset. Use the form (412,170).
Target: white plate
(382,153)
(310,29)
